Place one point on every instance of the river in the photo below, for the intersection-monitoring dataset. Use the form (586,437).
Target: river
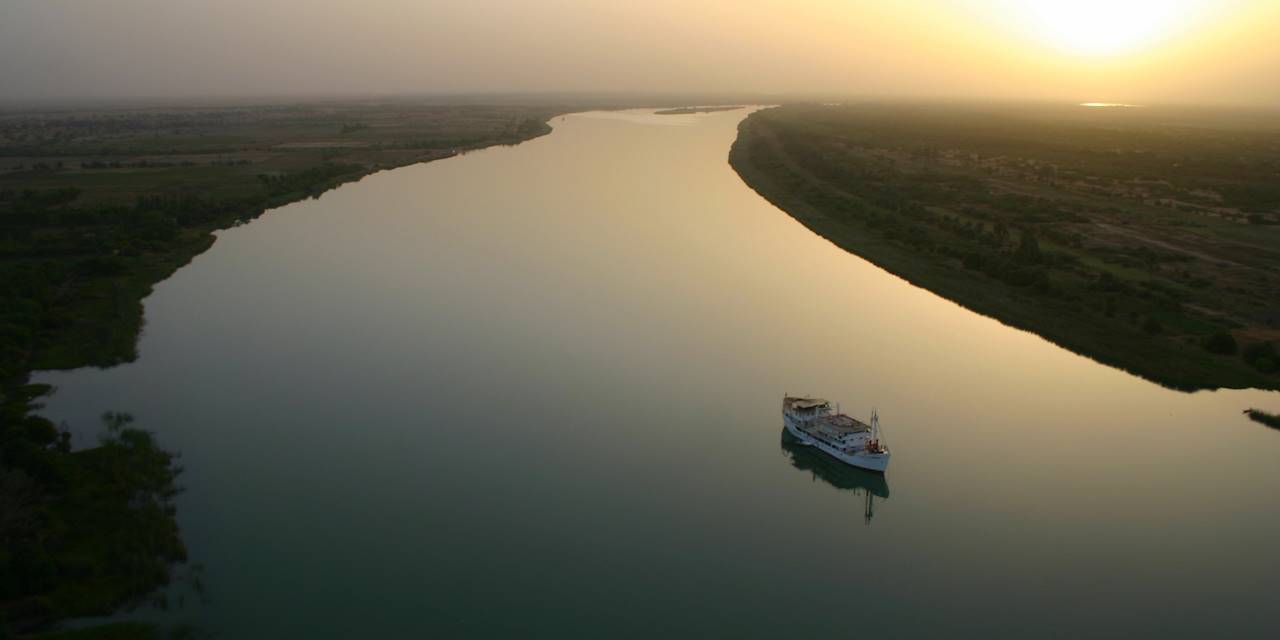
(535,391)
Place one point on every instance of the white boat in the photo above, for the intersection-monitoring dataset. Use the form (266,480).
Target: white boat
(815,423)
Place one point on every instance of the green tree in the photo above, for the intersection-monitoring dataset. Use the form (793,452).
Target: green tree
(1221,343)
(1028,249)
(1262,356)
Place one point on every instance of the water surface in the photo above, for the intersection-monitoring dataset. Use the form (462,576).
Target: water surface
(535,391)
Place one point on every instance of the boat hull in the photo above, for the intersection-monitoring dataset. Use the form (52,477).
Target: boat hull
(877,462)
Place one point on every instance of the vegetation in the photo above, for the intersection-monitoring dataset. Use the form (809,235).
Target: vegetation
(1148,241)
(679,111)
(1262,417)
(115,631)
(95,208)
(84,532)
(126,631)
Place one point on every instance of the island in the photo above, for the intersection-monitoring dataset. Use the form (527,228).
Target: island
(1145,239)
(679,111)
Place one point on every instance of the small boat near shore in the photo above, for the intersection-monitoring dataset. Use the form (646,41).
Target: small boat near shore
(815,423)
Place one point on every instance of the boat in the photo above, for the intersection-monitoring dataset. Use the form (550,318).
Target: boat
(814,422)
(869,484)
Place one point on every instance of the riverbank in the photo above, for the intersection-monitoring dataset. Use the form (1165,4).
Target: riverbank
(96,207)
(85,532)
(1175,297)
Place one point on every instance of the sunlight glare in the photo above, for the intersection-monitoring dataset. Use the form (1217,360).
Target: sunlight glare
(1105,27)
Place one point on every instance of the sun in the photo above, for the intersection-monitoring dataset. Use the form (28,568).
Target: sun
(1105,27)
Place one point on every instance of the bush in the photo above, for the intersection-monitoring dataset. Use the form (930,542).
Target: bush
(101,266)
(1270,419)
(1152,326)
(974,261)
(1262,356)
(1221,343)
(1028,250)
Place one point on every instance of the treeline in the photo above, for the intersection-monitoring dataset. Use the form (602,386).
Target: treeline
(86,531)
(62,264)
(307,180)
(83,532)
(81,150)
(519,130)
(140,164)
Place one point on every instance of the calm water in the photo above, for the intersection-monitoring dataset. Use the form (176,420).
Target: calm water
(535,391)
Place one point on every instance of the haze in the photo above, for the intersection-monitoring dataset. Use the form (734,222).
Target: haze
(1175,51)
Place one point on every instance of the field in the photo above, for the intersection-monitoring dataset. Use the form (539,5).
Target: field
(1145,239)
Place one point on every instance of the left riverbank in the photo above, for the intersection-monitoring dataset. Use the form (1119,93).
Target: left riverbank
(96,207)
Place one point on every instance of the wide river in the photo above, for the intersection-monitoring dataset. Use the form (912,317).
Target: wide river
(535,391)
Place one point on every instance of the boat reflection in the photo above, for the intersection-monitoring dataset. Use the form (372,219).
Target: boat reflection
(836,473)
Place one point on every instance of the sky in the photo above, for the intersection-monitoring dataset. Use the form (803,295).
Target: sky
(1133,51)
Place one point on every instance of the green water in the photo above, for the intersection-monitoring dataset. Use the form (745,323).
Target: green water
(535,392)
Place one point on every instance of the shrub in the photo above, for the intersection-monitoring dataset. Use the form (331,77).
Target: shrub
(1222,343)
(1262,356)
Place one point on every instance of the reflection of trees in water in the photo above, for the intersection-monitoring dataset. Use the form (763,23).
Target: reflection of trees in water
(1262,417)
(836,473)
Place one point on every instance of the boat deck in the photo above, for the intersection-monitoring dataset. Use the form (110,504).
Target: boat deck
(817,417)
(805,404)
(836,425)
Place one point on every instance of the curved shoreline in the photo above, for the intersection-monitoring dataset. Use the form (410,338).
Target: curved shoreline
(1147,359)
(97,504)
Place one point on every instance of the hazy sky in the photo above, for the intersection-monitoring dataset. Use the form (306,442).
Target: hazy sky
(1087,50)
